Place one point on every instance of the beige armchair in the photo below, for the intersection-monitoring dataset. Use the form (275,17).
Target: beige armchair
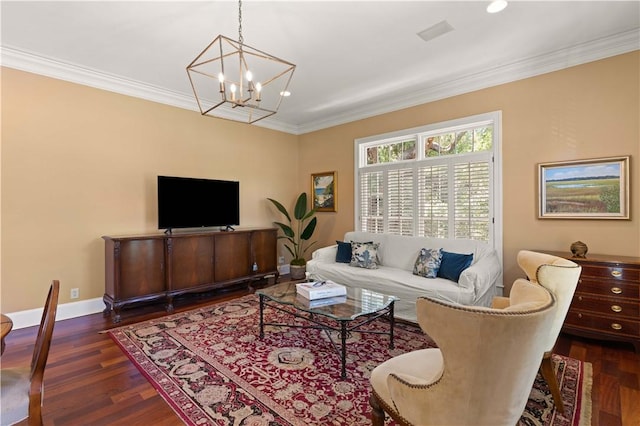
(482,371)
(559,276)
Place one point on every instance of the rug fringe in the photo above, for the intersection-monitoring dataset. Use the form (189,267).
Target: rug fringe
(585,397)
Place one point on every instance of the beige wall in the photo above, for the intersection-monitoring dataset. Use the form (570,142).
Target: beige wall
(588,111)
(78,163)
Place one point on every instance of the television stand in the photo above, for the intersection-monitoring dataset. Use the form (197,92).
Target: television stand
(228,228)
(146,268)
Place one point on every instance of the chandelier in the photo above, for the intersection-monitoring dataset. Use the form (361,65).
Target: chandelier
(238,82)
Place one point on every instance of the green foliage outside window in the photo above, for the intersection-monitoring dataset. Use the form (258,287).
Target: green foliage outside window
(463,142)
(448,143)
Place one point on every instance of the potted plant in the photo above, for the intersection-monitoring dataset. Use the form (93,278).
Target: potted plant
(297,232)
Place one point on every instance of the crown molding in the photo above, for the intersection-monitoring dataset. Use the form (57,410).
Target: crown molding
(606,47)
(617,44)
(49,67)
(31,62)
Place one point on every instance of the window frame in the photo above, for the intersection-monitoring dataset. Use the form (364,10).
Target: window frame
(421,133)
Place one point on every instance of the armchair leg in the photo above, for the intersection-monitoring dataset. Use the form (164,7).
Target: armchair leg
(546,368)
(377,413)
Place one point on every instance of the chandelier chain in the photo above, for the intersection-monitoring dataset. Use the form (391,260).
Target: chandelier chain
(240,38)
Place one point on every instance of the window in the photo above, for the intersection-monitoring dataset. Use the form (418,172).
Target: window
(439,180)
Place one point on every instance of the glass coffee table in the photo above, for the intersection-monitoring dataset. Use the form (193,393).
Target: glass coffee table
(342,314)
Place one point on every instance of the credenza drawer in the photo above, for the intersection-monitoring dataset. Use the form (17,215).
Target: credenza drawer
(610,306)
(603,324)
(624,289)
(611,272)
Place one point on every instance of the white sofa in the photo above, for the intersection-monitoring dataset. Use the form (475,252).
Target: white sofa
(477,285)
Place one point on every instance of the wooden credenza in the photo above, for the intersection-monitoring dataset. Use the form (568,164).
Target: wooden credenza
(162,266)
(606,304)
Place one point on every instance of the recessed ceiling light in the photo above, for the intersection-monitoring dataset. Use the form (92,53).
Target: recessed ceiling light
(496,6)
(285,93)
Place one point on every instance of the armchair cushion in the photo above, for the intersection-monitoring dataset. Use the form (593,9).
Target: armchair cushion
(500,302)
(423,366)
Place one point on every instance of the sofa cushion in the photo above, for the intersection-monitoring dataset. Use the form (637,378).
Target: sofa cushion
(399,251)
(364,255)
(452,265)
(344,252)
(428,263)
(369,237)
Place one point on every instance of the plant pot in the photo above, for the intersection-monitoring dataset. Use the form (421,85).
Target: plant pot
(297,271)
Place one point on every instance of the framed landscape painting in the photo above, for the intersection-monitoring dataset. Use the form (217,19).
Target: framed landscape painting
(324,190)
(584,189)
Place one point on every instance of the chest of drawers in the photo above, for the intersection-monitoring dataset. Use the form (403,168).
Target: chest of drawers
(606,304)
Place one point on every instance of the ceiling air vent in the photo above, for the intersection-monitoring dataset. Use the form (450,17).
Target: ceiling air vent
(436,30)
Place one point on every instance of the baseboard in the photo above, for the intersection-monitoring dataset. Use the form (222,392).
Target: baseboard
(31,317)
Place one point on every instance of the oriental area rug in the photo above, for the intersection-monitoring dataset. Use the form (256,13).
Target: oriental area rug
(211,367)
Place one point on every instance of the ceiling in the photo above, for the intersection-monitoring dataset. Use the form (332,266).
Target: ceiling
(354,59)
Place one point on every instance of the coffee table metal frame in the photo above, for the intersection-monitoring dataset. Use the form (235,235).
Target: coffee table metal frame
(346,325)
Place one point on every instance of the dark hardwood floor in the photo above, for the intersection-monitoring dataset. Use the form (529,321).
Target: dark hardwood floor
(89,381)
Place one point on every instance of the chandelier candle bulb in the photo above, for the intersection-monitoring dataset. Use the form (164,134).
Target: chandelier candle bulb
(250,84)
(221,80)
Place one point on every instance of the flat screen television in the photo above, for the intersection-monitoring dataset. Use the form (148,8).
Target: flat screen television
(195,203)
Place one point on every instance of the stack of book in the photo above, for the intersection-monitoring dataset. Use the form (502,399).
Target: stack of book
(320,290)
(325,301)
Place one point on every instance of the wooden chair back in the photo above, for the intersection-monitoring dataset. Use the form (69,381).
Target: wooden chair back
(41,353)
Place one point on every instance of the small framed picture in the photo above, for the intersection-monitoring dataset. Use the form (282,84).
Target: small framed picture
(584,189)
(324,190)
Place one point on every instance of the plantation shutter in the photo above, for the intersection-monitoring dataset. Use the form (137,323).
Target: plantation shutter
(400,200)
(433,201)
(472,196)
(371,202)
(437,181)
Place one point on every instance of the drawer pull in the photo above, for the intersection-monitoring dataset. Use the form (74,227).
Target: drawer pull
(616,290)
(580,298)
(579,315)
(616,308)
(616,326)
(616,273)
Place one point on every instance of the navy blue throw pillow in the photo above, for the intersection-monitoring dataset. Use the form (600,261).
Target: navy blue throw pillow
(452,265)
(344,252)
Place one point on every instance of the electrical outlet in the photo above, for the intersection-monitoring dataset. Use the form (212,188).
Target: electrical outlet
(75,293)
(281,260)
